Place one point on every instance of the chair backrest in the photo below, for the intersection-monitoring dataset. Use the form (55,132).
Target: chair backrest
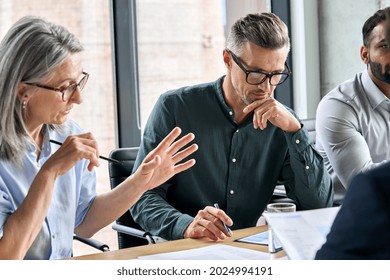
(310,125)
(118,173)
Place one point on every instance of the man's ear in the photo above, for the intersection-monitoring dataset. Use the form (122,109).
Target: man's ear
(227,58)
(364,54)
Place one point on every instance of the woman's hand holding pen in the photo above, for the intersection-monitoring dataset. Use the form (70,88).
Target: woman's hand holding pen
(209,222)
(74,148)
(164,161)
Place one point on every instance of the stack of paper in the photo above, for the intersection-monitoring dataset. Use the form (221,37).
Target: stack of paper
(302,233)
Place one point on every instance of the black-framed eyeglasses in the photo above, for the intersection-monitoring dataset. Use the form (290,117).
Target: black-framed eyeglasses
(259,77)
(68,91)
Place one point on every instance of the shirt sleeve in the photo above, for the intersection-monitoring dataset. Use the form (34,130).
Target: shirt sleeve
(5,206)
(152,211)
(307,181)
(344,145)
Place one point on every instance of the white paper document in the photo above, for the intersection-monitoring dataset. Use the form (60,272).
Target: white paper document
(261,239)
(302,233)
(213,252)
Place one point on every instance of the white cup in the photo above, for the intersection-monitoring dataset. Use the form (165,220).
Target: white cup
(279,207)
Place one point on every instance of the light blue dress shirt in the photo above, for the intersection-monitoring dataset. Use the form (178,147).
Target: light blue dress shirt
(353,128)
(73,194)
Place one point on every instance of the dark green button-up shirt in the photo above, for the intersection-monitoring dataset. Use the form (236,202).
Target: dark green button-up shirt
(237,166)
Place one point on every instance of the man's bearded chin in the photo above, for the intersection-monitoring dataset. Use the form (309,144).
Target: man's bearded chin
(376,69)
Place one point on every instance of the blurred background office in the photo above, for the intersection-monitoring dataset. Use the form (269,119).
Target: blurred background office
(138,49)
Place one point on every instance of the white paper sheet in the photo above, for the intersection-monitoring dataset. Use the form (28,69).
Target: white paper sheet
(302,233)
(261,239)
(213,252)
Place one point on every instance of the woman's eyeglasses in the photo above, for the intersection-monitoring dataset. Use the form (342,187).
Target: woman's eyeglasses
(68,91)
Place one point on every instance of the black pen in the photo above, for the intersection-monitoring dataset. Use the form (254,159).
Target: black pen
(102,157)
(226,227)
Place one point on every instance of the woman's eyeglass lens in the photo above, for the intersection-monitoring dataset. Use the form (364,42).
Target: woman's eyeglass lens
(68,91)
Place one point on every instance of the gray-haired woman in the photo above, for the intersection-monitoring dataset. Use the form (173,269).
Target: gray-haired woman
(47,192)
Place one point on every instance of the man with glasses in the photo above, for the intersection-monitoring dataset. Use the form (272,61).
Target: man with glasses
(248,142)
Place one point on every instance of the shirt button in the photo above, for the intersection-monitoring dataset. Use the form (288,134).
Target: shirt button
(53,236)
(297,141)
(231,192)
(307,167)
(234,160)
(231,113)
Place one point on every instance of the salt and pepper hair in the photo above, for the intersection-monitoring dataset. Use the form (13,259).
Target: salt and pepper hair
(373,21)
(29,52)
(266,30)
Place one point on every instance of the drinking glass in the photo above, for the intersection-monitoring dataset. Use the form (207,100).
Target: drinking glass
(279,207)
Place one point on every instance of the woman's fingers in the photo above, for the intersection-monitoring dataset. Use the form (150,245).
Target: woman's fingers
(169,139)
(184,166)
(75,148)
(179,156)
(176,146)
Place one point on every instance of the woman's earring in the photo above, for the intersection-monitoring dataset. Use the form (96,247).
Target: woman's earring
(24,103)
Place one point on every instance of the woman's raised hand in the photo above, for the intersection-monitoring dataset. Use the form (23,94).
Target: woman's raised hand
(163,162)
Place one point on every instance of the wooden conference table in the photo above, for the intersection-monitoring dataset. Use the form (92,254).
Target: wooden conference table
(178,245)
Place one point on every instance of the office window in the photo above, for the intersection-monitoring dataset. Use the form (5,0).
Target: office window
(180,43)
(90,22)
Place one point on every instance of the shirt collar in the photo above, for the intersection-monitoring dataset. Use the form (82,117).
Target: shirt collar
(46,148)
(227,110)
(220,96)
(374,95)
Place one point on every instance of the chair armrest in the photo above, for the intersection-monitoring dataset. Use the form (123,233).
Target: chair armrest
(129,230)
(280,195)
(158,239)
(280,190)
(138,233)
(93,243)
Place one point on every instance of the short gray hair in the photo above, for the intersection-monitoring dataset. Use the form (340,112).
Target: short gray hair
(29,52)
(266,30)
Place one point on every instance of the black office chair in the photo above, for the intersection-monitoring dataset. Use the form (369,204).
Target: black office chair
(129,233)
(310,125)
